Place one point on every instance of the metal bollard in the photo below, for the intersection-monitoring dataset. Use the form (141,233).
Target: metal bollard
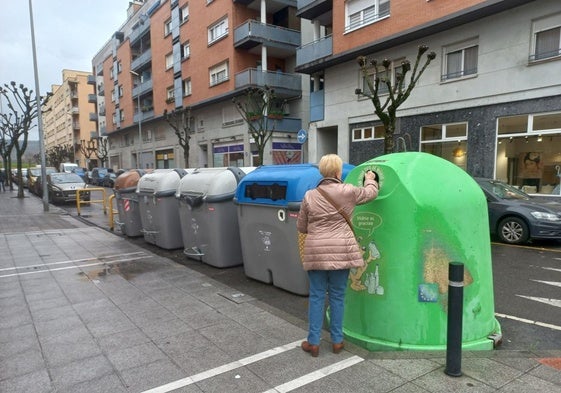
(455,315)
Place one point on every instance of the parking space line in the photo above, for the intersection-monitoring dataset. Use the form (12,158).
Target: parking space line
(541,324)
(224,368)
(71,261)
(316,375)
(76,266)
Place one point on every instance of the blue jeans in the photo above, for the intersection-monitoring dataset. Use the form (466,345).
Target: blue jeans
(334,283)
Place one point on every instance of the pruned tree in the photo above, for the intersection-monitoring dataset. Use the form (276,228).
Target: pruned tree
(387,100)
(180,120)
(102,150)
(58,154)
(260,108)
(88,148)
(18,120)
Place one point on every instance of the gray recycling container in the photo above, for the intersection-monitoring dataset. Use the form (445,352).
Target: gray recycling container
(129,221)
(208,216)
(159,209)
(268,201)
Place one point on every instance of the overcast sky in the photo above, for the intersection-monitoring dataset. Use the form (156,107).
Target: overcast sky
(68,33)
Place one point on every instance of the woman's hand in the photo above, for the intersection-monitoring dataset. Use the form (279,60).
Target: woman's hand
(369,175)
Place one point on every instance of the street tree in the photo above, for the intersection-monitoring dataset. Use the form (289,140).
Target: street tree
(180,121)
(58,154)
(388,94)
(17,121)
(88,148)
(102,150)
(260,109)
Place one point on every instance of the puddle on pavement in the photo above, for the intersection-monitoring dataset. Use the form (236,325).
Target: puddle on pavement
(127,270)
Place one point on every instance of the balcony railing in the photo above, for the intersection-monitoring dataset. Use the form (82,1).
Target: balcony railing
(139,32)
(92,98)
(141,60)
(285,85)
(312,9)
(253,33)
(91,80)
(143,88)
(93,116)
(314,51)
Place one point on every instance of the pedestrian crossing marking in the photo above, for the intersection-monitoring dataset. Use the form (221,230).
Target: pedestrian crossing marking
(551,302)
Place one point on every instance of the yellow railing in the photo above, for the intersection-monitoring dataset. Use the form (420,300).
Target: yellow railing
(112,212)
(80,202)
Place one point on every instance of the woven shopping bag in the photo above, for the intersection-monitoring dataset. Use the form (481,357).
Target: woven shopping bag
(301,241)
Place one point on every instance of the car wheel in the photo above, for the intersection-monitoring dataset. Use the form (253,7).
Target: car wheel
(513,230)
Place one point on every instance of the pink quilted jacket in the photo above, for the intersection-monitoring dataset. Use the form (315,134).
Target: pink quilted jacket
(330,243)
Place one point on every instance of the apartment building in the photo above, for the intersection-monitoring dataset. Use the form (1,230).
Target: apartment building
(175,54)
(66,118)
(490,102)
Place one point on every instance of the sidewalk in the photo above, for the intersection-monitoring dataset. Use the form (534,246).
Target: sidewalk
(85,310)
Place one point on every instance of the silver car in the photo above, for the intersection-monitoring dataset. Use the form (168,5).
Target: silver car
(62,187)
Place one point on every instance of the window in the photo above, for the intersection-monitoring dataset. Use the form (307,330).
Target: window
(217,31)
(184,13)
(460,60)
(448,141)
(546,40)
(113,95)
(121,90)
(121,115)
(368,133)
(114,118)
(185,50)
(393,73)
(170,94)
(219,74)
(187,87)
(360,13)
(167,27)
(119,67)
(169,61)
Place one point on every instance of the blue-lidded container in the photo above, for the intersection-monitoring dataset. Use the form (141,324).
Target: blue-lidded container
(268,201)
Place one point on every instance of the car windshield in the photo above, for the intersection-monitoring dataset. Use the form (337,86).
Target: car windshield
(503,190)
(59,178)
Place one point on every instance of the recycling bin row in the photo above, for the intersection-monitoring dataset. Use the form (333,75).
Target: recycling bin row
(428,213)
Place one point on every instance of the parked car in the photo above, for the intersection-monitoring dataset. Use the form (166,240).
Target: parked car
(516,217)
(98,176)
(33,173)
(62,187)
(80,172)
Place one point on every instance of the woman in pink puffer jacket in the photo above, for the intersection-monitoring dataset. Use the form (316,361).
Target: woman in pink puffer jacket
(330,248)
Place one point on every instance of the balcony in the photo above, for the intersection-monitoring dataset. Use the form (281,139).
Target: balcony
(92,98)
(313,9)
(143,88)
(93,116)
(139,32)
(285,85)
(314,51)
(146,115)
(253,33)
(75,126)
(101,89)
(141,60)
(91,80)
(75,110)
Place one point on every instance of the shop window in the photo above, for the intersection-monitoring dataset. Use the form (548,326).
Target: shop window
(460,60)
(448,141)
(228,155)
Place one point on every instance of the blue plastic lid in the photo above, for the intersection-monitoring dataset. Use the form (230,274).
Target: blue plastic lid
(280,185)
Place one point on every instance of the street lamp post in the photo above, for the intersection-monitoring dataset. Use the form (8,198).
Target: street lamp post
(139,155)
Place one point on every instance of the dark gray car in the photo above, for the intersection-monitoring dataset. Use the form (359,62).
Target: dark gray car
(516,217)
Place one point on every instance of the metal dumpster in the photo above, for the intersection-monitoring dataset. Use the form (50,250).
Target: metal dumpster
(208,216)
(126,197)
(268,201)
(159,208)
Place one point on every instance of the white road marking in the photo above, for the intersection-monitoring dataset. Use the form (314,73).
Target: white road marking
(551,302)
(554,283)
(316,375)
(542,324)
(72,261)
(222,369)
(75,266)
(552,268)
